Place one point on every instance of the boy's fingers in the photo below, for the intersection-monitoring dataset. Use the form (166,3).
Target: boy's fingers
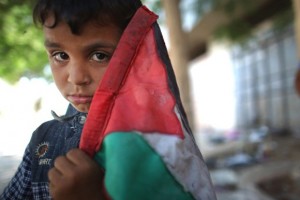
(63,164)
(75,174)
(54,176)
(84,163)
(77,156)
(52,188)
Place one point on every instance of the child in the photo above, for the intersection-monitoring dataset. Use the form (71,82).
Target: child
(108,59)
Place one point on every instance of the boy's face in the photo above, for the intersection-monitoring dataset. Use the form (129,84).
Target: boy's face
(78,62)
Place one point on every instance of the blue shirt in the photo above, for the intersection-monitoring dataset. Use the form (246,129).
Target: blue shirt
(50,140)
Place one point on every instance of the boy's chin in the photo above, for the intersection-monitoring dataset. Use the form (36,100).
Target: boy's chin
(82,108)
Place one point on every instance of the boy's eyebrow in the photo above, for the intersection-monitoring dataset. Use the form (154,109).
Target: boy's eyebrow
(48,43)
(99,44)
(94,45)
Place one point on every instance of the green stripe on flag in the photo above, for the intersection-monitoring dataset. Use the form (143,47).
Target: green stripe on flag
(134,171)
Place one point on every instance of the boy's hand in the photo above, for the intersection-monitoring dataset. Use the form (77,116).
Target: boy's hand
(75,176)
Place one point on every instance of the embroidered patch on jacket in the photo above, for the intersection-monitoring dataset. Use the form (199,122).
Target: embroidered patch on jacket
(42,149)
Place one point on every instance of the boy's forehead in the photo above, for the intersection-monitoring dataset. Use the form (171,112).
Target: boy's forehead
(100,20)
(91,35)
(51,23)
(60,30)
(49,20)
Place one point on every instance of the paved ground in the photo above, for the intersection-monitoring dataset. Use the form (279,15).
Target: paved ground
(279,174)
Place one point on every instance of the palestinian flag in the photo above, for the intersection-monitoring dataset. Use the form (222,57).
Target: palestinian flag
(136,128)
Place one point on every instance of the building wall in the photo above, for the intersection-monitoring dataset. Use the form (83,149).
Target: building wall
(212,89)
(264,79)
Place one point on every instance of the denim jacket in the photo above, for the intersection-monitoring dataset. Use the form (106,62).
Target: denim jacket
(50,140)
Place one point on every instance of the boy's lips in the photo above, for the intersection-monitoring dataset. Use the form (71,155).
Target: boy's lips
(80,99)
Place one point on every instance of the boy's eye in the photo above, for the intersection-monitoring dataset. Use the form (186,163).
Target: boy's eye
(100,57)
(60,56)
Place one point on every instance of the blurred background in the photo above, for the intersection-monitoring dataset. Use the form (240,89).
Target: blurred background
(235,63)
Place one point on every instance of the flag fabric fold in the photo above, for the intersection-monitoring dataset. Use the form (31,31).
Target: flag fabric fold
(136,127)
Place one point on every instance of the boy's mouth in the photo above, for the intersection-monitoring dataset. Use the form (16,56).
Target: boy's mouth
(80,99)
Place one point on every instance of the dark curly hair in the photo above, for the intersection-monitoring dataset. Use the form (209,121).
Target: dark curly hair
(77,12)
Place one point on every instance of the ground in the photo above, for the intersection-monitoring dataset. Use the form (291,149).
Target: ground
(273,173)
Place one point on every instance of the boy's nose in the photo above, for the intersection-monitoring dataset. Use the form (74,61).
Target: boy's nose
(79,74)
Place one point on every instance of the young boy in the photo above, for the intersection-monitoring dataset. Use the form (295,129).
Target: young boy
(125,133)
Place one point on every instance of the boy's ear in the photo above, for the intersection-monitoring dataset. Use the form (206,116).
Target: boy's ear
(297,81)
